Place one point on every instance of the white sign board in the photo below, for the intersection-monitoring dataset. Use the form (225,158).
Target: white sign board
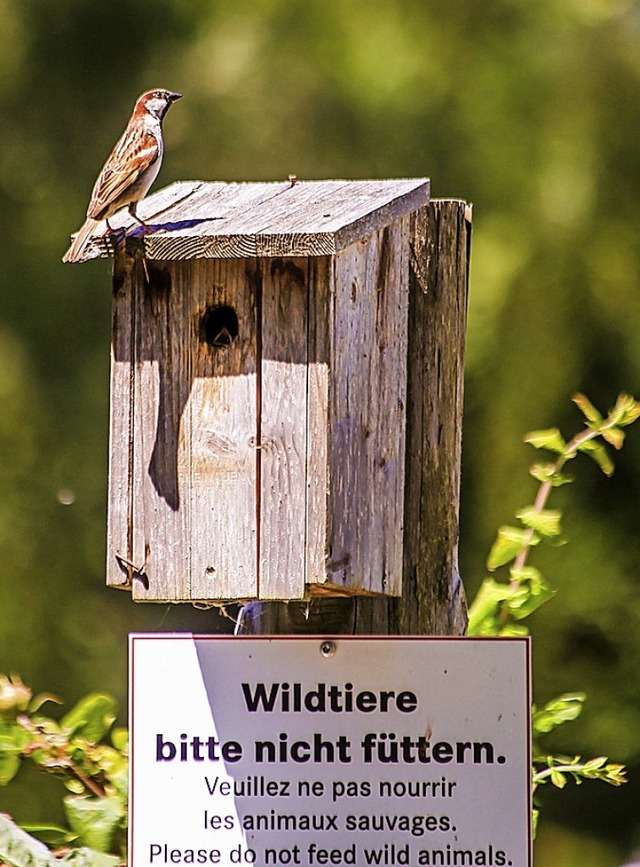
(344,751)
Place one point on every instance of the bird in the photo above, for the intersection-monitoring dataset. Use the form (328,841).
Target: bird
(130,170)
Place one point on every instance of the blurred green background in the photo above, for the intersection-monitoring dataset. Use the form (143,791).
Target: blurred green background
(529,110)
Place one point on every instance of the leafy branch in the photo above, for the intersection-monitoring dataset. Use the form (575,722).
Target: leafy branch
(556,769)
(594,769)
(73,749)
(500,606)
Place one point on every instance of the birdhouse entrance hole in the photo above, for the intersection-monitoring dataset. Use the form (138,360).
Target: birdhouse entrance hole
(219,326)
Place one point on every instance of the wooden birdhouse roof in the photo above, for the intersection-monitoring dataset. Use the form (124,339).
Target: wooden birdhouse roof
(205,220)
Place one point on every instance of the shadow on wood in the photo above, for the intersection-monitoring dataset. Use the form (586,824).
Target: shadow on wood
(433,600)
(286,397)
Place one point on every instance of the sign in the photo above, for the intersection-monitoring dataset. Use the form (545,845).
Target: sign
(338,751)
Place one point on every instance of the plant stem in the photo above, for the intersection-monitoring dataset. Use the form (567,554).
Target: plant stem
(87,782)
(541,775)
(539,504)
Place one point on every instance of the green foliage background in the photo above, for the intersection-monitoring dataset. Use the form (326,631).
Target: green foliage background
(529,110)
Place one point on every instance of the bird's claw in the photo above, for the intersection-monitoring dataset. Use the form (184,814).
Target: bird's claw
(117,237)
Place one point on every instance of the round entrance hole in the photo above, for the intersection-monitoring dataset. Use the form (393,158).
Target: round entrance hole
(219,325)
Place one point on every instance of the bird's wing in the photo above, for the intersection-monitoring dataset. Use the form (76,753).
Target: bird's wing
(130,158)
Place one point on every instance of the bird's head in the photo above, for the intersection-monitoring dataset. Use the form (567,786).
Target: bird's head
(156,102)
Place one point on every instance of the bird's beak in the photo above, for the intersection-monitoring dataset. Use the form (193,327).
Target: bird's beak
(173,97)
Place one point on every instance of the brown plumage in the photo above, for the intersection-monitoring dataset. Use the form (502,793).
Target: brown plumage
(130,170)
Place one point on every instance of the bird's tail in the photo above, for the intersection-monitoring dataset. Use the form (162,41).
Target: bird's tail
(77,248)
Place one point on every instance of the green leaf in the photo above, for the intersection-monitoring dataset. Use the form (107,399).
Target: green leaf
(119,780)
(597,451)
(89,858)
(558,711)
(558,779)
(91,718)
(95,820)
(550,439)
(535,816)
(40,699)
(593,765)
(615,774)
(513,630)
(120,739)
(546,522)
(13,739)
(484,610)
(53,835)
(114,766)
(507,545)
(526,592)
(549,473)
(75,786)
(625,411)
(587,408)
(13,736)
(614,436)
(9,766)
(530,592)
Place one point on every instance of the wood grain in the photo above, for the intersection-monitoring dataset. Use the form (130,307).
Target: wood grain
(318,513)
(182,482)
(367,409)
(223,444)
(196,220)
(432,599)
(283,428)
(121,569)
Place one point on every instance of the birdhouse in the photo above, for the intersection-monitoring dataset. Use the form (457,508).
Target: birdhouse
(259,372)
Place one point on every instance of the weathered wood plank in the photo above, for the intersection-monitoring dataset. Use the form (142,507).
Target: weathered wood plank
(223,446)
(182,482)
(321,314)
(221,206)
(368,362)
(214,220)
(283,428)
(432,595)
(120,563)
(161,479)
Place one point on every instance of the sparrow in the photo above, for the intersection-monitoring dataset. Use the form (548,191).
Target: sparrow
(130,170)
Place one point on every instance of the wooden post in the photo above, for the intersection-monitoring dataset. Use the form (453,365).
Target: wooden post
(432,601)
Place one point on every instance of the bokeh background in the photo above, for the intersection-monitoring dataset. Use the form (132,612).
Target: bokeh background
(529,110)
